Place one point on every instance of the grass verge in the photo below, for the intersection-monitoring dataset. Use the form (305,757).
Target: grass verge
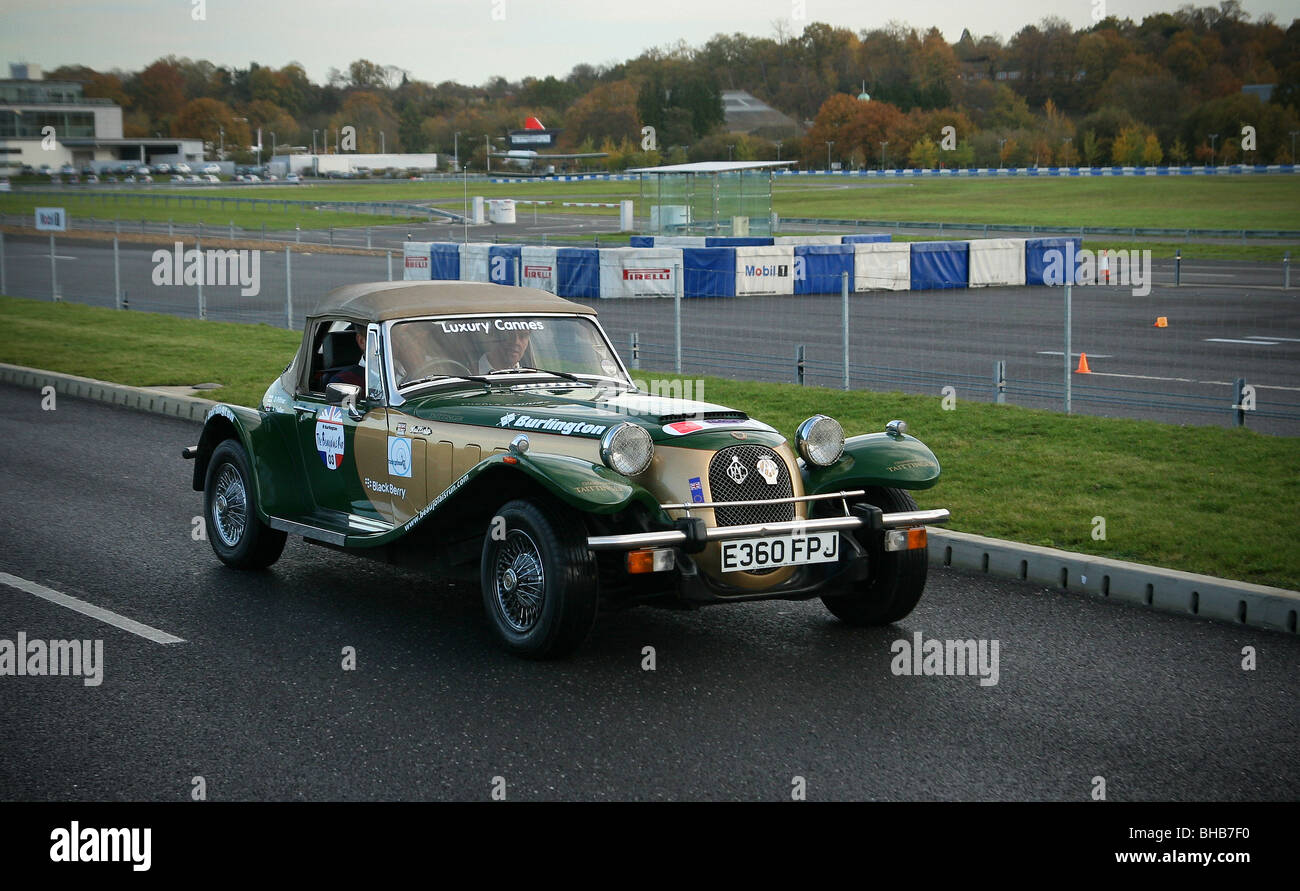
(145,207)
(1201,499)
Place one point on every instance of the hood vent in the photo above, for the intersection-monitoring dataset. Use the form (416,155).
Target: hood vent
(726,415)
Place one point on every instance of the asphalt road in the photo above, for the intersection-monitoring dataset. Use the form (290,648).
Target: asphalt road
(1226,321)
(95,503)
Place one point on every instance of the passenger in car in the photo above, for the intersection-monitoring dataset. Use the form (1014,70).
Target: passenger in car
(354,374)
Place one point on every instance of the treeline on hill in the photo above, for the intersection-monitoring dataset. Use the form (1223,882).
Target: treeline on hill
(1167,90)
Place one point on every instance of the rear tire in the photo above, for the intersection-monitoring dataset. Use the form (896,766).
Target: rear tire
(896,580)
(539,583)
(238,537)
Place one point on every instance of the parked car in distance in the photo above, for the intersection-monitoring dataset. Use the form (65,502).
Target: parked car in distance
(252,178)
(492,434)
(183,168)
(210,177)
(212,168)
(293,178)
(162,168)
(92,178)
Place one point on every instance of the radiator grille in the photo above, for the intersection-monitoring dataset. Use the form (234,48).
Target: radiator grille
(751,487)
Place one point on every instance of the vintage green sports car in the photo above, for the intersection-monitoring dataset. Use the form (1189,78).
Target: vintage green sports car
(492,432)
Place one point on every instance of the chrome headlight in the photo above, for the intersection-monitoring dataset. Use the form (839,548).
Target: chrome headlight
(627,449)
(820,440)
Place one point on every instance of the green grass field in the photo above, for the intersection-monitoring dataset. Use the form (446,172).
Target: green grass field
(1200,499)
(1200,202)
(148,207)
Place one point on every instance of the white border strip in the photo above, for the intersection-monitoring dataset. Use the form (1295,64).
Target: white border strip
(108,617)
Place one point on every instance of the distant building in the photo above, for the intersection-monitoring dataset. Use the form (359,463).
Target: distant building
(49,122)
(748,114)
(349,163)
(1264,92)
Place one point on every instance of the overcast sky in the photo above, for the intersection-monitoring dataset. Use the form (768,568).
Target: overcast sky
(473,40)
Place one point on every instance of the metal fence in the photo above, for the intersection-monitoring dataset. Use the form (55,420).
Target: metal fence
(1228,354)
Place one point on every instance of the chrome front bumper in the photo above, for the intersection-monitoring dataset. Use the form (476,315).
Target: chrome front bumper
(674,537)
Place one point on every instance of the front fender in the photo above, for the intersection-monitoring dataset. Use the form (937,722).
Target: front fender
(586,487)
(277,475)
(876,459)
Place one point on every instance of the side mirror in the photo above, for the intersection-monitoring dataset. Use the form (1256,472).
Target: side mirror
(345,395)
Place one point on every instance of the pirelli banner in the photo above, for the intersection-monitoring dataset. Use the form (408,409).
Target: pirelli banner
(764,270)
(639,272)
(568,272)
(997,261)
(882,266)
(417,261)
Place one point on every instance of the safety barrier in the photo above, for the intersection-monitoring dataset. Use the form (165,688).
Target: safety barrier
(748,270)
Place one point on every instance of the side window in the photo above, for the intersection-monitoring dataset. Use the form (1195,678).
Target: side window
(335,356)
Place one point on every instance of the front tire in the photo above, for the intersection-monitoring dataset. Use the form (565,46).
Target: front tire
(238,537)
(539,581)
(896,580)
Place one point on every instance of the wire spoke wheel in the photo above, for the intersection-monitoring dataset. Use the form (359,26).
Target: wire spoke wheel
(519,580)
(230,506)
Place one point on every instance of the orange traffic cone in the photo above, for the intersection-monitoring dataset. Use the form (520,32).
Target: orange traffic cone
(1162,322)
(1083,365)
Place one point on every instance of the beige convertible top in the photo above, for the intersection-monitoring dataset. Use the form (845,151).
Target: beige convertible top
(384,301)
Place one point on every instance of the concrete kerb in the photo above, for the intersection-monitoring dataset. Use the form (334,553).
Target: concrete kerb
(140,398)
(1168,590)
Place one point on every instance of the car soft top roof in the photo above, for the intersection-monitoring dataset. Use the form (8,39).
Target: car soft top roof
(384,301)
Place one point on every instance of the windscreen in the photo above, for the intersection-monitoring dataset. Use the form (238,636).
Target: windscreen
(484,345)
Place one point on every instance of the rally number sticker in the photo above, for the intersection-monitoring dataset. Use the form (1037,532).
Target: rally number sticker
(329,436)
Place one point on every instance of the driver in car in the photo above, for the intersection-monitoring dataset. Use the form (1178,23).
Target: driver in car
(503,350)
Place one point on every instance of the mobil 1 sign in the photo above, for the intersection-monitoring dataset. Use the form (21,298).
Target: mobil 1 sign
(51,219)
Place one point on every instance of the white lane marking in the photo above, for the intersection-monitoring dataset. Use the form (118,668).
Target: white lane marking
(1262,337)
(1234,340)
(1148,377)
(1059,353)
(1188,380)
(89,609)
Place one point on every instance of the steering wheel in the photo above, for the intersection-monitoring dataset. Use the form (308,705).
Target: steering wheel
(439,365)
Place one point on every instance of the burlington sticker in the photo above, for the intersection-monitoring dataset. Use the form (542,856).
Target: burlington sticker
(550,425)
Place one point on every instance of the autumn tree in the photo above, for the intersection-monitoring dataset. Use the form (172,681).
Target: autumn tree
(212,121)
(609,111)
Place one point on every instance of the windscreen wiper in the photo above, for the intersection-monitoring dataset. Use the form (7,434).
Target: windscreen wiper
(448,377)
(562,374)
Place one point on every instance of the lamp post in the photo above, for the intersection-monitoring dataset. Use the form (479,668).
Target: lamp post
(1001,142)
(221,152)
(456,150)
(778,148)
(829,143)
(1293,136)
(883,143)
(313,141)
(382,150)
(1214,140)
(487,152)
(730,150)
(1069,153)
